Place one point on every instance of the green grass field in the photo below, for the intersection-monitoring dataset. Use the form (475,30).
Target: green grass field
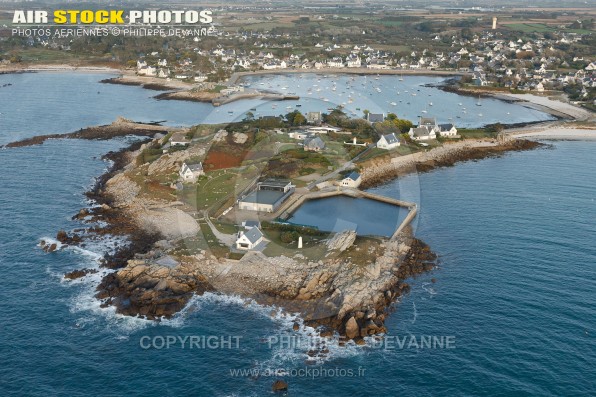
(541,28)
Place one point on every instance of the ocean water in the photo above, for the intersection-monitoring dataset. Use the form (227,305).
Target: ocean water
(66,102)
(514,290)
(410,98)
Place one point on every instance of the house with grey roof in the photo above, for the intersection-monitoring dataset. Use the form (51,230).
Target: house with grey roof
(424,133)
(388,142)
(191,172)
(179,139)
(314,144)
(353,179)
(375,117)
(249,239)
(448,130)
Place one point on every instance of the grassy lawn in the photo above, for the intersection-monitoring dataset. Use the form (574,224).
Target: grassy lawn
(217,89)
(210,189)
(44,55)
(363,252)
(226,228)
(212,243)
(401,150)
(313,249)
(475,133)
(390,23)
(542,28)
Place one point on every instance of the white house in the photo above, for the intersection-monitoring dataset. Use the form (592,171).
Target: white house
(354,62)
(388,142)
(249,239)
(423,133)
(448,130)
(335,63)
(300,134)
(352,180)
(324,129)
(190,173)
(163,73)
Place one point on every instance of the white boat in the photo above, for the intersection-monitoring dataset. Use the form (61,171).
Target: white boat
(393,104)
(430,104)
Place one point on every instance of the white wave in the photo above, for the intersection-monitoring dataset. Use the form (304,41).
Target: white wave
(283,354)
(84,304)
(50,241)
(415,312)
(88,307)
(430,290)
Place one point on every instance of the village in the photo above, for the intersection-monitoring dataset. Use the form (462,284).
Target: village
(490,49)
(487,60)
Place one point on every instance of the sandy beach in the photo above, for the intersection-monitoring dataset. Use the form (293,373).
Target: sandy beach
(552,106)
(559,133)
(57,69)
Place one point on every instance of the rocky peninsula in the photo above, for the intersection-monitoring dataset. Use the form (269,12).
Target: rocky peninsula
(349,289)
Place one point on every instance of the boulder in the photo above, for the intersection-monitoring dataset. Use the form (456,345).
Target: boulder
(352,328)
(279,385)
(79,273)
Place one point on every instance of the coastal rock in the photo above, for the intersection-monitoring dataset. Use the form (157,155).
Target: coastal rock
(352,329)
(342,241)
(240,138)
(220,136)
(75,274)
(279,386)
(47,246)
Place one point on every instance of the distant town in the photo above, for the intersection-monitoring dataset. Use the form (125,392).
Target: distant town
(516,50)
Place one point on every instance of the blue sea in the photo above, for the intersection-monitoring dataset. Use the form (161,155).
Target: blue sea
(514,292)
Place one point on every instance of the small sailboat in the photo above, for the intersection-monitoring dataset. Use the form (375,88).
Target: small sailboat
(478,103)
(401,77)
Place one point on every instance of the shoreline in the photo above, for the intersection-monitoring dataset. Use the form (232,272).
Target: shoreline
(376,172)
(141,286)
(533,100)
(357,71)
(58,68)
(120,127)
(183,90)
